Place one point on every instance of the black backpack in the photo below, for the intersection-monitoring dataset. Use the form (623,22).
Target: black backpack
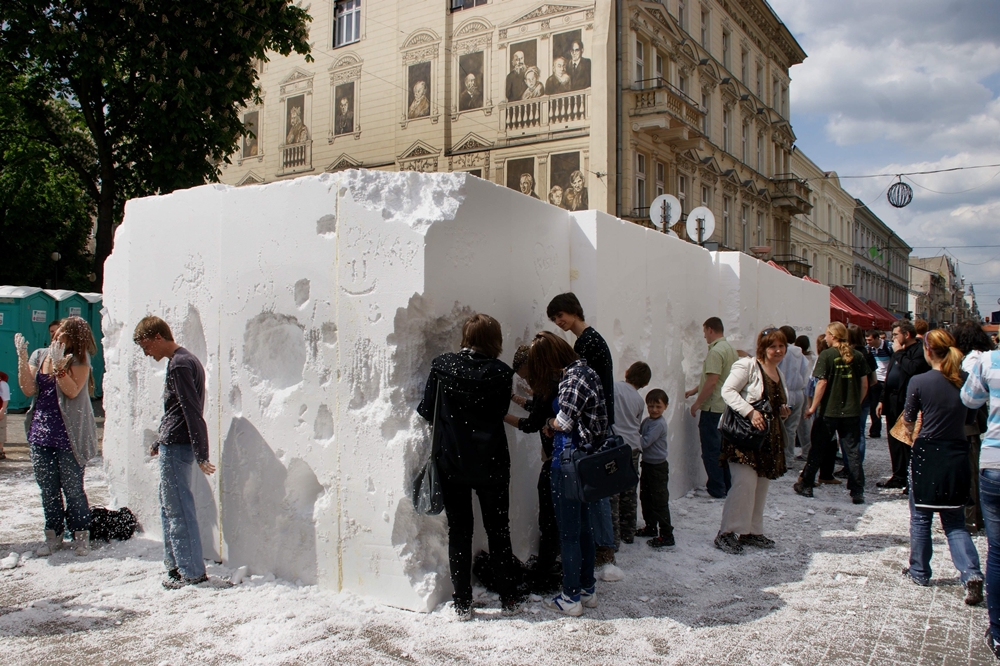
(106,524)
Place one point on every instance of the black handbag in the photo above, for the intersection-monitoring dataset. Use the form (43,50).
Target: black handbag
(593,473)
(739,429)
(426,494)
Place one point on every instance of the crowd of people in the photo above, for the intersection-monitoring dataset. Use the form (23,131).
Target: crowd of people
(938,391)
(811,405)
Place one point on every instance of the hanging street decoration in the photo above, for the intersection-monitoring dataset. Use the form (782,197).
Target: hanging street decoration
(900,194)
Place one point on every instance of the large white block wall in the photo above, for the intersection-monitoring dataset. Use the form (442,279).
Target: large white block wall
(316,306)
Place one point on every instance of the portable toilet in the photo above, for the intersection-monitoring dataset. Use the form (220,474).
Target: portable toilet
(69,304)
(95,303)
(28,311)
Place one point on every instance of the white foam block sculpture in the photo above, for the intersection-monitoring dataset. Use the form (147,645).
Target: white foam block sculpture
(316,306)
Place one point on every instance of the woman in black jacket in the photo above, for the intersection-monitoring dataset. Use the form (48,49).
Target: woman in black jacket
(473,455)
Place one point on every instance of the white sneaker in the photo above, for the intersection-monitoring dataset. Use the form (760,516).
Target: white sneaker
(53,542)
(565,605)
(588,596)
(81,542)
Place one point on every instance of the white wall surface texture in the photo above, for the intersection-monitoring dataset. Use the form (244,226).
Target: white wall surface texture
(316,306)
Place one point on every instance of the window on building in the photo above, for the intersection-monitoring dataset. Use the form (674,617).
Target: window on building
(775,95)
(815,267)
(760,153)
(706,195)
(661,171)
(747,238)
(659,69)
(829,271)
(784,101)
(744,64)
(457,5)
(640,66)
(682,14)
(760,229)
(727,116)
(640,180)
(682,83)
(745,138)
(760,81)
(346,22)
(705,29)
(682,192)
(726,38)
(829,219)
(727,232)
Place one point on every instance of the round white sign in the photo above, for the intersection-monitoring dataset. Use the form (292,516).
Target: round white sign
(700,217)
(665,207)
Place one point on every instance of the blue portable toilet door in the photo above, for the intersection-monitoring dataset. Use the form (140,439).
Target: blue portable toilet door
(8,356)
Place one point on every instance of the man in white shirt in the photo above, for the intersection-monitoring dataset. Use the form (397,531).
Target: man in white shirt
(795,368)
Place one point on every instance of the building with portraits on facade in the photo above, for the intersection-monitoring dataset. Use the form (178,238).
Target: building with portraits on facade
(523,94)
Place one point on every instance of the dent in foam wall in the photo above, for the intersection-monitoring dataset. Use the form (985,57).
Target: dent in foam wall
(317,339)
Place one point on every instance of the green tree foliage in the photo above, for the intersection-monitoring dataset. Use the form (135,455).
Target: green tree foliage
(43,206)
(159,85)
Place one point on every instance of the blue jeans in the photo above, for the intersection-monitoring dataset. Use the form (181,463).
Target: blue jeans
(58,473)
(181,540)
(600,523)
(963,551)
(719,479)
(575,537)
(989,500)
(861,437)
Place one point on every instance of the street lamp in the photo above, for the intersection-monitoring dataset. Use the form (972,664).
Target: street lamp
(56,257)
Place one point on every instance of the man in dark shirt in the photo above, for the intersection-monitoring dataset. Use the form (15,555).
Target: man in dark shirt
(907,361)
(566,312)
(182,441)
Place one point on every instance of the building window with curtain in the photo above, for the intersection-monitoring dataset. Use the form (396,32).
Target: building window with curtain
(727,232)
(682,192)
(726,38)
(640,180)
(346,22)
(727,117)
(705,34)
(640,65)
(660,173)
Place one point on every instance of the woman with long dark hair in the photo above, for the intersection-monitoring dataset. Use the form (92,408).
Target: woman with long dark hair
(581,420)
(750,380)
(473,455)
(939,465)
(61,428)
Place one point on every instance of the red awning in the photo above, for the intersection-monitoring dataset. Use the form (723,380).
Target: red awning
(887,318)
(779,267)
(840,311)
(809,279)
(864,316)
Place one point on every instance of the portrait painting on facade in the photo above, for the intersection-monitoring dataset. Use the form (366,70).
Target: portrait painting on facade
(566,176)
(569,47)
(343,112)
(521,176)
(295,126)
(470,79)
(418,90)
(522,56)
(251,140)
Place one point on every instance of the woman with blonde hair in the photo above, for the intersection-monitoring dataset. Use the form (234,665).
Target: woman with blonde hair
(940,477)
(61,428)
(841,384)
(750,380)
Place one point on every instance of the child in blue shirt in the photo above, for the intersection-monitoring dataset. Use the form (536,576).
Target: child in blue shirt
(653,493)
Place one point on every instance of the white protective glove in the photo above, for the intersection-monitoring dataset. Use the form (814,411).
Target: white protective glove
(57,352)
(21,345)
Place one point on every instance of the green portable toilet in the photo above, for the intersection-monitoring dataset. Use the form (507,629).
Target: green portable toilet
(69,304)
(95,303)
(28,311)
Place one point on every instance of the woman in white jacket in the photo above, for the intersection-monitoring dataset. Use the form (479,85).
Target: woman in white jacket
(752,471)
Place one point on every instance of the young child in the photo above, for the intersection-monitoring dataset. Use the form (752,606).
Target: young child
(629,409)
(653,493)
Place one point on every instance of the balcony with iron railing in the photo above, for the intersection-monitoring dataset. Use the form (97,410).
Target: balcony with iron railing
(539,115)
(295,158)
(794,264)
(791,194)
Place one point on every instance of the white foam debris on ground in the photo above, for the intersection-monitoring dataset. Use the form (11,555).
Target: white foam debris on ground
(316,306)
(829,593)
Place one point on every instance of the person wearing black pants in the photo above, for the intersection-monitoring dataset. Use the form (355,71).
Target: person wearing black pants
(907,361)
(472,454)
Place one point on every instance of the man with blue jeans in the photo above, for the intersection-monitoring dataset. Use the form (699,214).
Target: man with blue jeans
(183,440)
(715,370)
(982,386)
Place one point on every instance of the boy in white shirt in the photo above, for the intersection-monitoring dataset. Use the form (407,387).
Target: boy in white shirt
(629,409)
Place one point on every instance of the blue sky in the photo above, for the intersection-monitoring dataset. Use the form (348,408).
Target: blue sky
(908,85)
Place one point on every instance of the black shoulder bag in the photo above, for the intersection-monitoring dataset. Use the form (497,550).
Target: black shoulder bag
(739,429)
(426,493)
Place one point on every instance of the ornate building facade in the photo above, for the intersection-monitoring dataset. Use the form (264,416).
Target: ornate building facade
(529,95)
(881,262)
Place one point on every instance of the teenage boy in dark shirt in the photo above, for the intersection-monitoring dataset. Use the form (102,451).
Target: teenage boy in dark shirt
(182,441)
(566,312)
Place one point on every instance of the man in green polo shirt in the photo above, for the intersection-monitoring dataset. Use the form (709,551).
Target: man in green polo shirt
(714,372)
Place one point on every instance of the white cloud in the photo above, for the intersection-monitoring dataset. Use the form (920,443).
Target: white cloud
(901,86)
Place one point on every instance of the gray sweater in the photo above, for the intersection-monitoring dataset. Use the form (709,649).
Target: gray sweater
(654,440)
